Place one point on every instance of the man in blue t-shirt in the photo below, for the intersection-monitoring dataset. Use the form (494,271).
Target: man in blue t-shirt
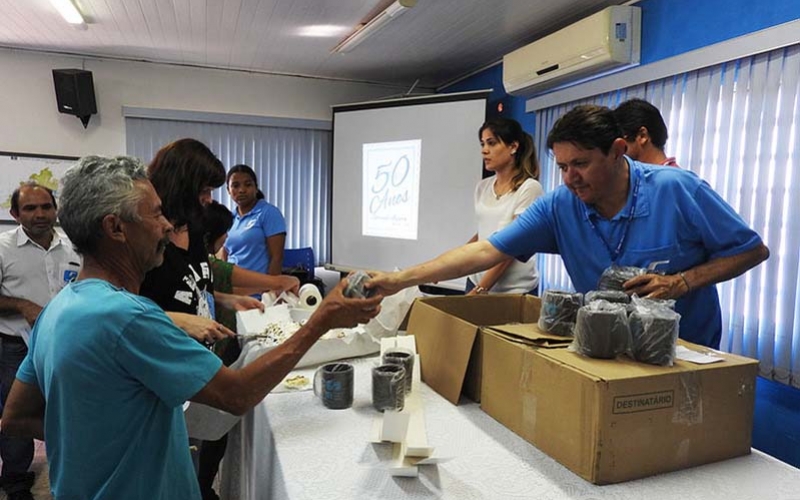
(107,371)
(614,210)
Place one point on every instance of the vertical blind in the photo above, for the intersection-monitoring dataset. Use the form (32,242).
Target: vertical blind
(736,125)
(293,167)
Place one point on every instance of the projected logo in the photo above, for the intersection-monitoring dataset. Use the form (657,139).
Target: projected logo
(390,197)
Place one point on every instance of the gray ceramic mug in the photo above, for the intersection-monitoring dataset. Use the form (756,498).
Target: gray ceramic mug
(333,383)
(388,387)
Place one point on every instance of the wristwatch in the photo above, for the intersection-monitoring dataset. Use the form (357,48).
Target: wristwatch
(479,290)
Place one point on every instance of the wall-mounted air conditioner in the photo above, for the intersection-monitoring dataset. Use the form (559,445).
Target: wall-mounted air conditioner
(604,41)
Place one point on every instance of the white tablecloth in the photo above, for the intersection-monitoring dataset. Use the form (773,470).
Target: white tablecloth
(292,447)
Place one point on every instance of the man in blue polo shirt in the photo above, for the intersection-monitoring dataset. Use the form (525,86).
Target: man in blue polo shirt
(614,210)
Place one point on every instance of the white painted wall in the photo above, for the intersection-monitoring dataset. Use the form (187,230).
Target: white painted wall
(31,122)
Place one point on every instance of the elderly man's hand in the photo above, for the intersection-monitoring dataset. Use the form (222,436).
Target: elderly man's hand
(338,311)
(656,286)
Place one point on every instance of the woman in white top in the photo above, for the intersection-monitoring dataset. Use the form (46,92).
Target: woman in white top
(508,151)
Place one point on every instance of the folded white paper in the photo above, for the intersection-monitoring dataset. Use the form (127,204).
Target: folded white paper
(700,358)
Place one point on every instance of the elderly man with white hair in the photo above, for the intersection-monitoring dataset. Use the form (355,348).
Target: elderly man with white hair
(108,372)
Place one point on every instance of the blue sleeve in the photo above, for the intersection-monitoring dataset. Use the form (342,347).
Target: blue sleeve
(272,221)
(164,358)
(25,372)
(721,229)
(532,232)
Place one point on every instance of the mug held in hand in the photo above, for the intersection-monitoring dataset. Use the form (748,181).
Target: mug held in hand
(355,288)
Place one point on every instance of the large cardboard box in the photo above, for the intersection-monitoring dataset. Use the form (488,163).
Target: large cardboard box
(448,341)
(615,420)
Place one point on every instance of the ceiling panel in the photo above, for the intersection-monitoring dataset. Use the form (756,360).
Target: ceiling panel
(434,43)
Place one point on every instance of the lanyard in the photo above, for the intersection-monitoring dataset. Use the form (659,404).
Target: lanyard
(615,253)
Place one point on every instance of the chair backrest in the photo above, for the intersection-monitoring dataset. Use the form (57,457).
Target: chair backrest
(300,257)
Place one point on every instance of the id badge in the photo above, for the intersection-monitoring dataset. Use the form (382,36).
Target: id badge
(68,272)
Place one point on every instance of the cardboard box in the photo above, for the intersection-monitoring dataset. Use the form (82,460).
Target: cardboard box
(615,420)
(448,340)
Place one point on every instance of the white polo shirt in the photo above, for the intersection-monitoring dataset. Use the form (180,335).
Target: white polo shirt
(31,272)
(494,213)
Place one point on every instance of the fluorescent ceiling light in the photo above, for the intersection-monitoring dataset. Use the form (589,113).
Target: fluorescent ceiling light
(322,30)
(372,26)
(68,11)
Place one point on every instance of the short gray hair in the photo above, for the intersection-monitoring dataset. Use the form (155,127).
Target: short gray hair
(94,187)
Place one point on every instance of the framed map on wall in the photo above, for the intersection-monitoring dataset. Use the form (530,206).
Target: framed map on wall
(17,168)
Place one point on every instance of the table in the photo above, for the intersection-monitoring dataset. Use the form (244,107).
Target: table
(292,447)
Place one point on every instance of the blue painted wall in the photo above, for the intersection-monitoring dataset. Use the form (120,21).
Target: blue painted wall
(672,27)
(669,28)
(492,78)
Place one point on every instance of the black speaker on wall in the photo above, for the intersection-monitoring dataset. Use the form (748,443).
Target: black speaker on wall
(75,93)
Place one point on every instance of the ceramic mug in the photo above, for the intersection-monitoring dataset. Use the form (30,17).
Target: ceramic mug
(388,387)
(404,358)
(333,383)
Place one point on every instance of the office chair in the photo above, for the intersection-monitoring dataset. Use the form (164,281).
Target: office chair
(300,258)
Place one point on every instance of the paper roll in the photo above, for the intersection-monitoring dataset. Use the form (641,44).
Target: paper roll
(309,296)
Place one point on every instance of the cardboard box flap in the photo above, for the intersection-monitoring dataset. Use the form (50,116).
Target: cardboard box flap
(483,310)
(530,334)
(444,345)
(623,368)
(448,343)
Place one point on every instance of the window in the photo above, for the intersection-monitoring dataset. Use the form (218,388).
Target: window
(736,125)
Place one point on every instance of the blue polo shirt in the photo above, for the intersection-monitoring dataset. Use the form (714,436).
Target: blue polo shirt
(247,239)
(115,371)
(678,223)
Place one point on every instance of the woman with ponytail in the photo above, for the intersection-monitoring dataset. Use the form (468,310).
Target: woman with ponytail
(508,151)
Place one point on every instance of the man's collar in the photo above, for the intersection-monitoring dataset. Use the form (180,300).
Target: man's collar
(23,238)
(642,204)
